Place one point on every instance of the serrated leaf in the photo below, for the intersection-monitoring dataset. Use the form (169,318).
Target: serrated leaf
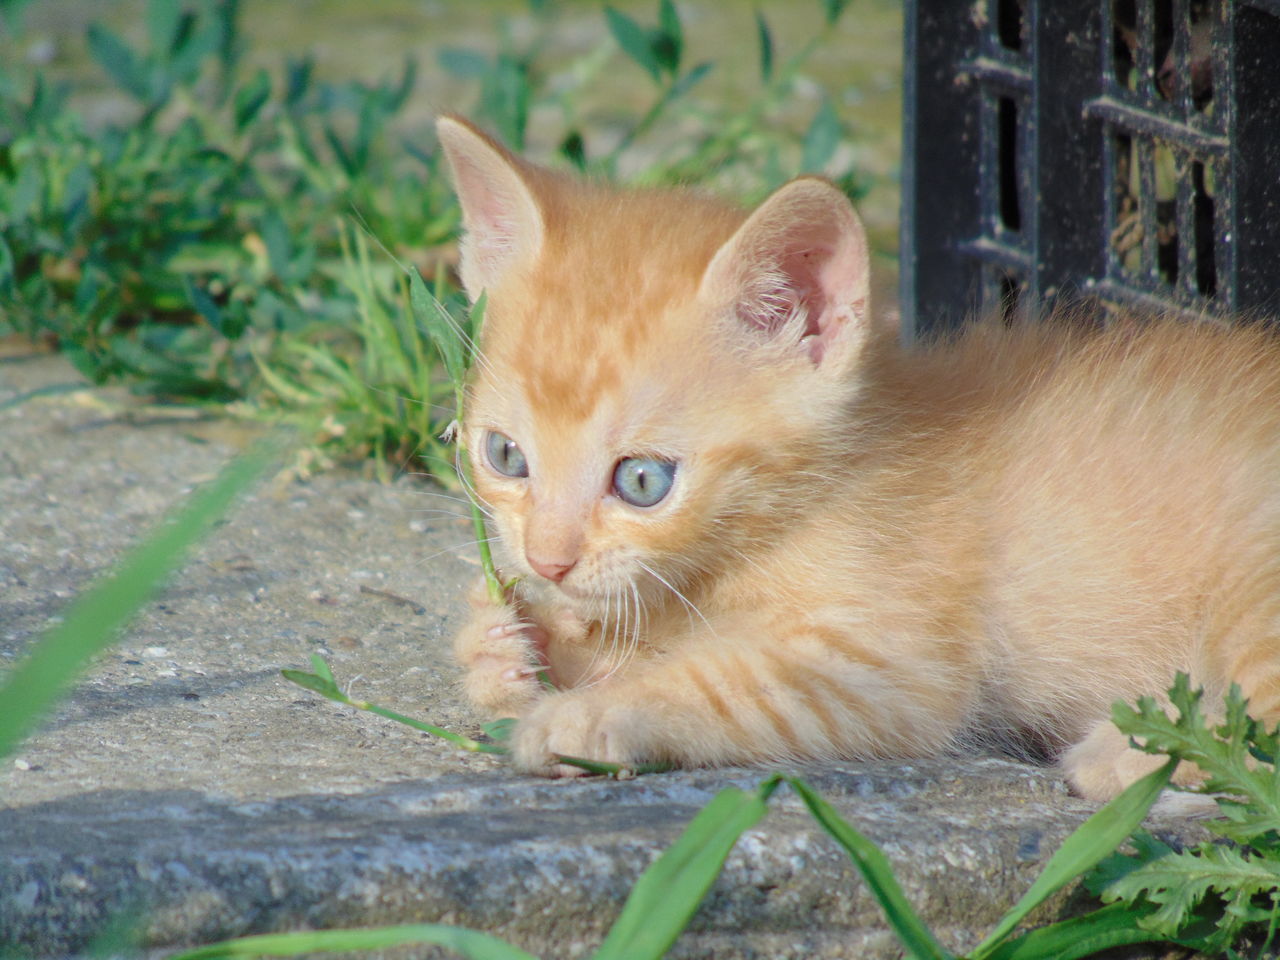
(1178,883)
(1225,754)
(821,139)
(765,39)
(634,41)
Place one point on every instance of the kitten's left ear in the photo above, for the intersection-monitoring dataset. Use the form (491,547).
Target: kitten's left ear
(797,271)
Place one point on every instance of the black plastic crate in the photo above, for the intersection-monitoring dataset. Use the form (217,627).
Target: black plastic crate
(1122,150)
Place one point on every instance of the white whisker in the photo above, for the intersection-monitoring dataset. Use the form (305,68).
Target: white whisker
(683,599)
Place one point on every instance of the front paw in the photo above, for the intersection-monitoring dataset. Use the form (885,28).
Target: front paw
(585,726)
(502,653)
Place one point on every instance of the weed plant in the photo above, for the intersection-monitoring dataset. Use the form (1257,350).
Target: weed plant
(217,246)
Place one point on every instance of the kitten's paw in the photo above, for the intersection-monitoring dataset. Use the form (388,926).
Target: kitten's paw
(1103,764)
(502,653)
(577,725)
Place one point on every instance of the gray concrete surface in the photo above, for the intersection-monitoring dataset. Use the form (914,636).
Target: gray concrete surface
(186,792)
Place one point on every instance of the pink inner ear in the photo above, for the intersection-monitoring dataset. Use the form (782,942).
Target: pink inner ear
(795,285)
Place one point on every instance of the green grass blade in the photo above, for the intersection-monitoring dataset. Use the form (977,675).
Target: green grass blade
(431,315)
(469,943)
(1088,844)
(93,621)
(877,873)
(323,684)
(667,894)
(1113,926)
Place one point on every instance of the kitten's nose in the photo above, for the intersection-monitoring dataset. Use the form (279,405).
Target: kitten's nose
(553,570)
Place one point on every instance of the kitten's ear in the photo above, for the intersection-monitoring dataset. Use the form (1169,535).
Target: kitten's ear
(501,220)
(797,272)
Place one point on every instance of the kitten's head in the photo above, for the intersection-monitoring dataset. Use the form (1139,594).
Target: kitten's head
(661,374)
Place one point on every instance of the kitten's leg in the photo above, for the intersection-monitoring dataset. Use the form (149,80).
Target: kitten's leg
(502,651)
(805,695)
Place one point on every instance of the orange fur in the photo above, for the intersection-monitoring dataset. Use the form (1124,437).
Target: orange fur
(867,551)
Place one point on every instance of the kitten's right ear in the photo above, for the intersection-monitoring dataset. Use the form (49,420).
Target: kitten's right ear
(501,220)
(797,273)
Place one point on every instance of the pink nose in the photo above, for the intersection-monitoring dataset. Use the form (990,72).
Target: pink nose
(553,570)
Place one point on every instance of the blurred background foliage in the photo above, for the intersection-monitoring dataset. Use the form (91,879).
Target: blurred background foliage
(214,200)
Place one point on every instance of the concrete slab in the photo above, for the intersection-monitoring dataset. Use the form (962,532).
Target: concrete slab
(187,792)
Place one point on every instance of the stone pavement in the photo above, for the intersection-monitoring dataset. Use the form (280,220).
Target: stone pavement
(185,792)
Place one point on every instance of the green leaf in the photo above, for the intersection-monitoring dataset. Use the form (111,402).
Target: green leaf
(1088,844)
(668,42)
(766,47)
(469,943)
(275,237)
(28,191)
(832,9)
(92,621)
(667,894)
(500,730)
(634,41)
(690,80)
(1227,755)
(164,20)
(878,874)
(321,666)
(204,304)
(1178,884)
(309,681)
(574,149)
(1116,925)
(6,267)
(297,80)
(120,62)
(821,139)
(250,99)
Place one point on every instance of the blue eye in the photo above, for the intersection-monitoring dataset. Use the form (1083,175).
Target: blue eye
(504,455)
(642,481)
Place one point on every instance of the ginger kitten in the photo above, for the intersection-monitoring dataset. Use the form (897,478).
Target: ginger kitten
(749,526)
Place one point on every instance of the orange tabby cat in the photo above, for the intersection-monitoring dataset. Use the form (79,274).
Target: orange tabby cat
(748,525)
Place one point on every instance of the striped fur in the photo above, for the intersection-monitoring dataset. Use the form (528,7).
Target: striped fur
(868,551)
